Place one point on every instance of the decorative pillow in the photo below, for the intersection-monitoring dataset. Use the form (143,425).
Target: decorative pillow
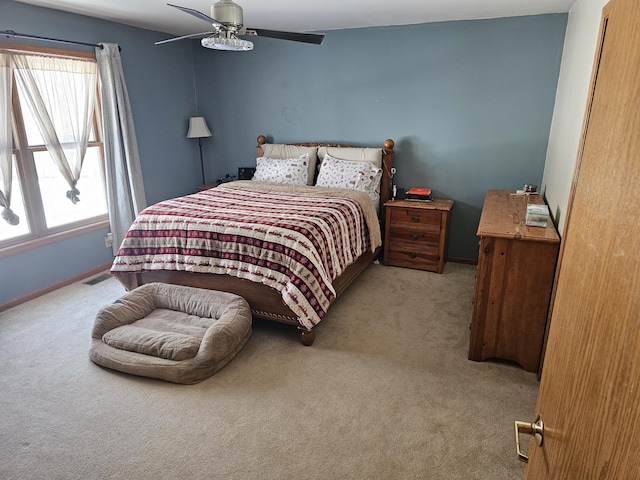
(356,154)
(290,170)
(282,150)
(364,176)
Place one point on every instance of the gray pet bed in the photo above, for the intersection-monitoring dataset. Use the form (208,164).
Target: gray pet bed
(175,333)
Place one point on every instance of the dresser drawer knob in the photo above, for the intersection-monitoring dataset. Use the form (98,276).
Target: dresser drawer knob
(415,219)
(413,236)
(413,255)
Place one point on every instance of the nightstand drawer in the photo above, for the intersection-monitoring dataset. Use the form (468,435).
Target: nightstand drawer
(401,217)
(413,257)
(427,235)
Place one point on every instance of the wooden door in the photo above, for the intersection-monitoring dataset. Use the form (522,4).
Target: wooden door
(589,395)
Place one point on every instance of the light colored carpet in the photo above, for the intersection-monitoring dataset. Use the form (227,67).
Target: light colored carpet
(385,392)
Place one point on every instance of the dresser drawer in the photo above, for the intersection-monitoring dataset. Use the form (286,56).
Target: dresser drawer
(402,217)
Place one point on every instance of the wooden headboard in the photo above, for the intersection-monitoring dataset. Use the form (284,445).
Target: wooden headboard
(387,162)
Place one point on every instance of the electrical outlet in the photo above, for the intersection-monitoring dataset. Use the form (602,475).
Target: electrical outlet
(108,240)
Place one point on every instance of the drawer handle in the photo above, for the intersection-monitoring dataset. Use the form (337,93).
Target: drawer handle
(413,236)
(415,219)
(413,255)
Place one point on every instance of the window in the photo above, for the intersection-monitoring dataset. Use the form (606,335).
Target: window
(57,186)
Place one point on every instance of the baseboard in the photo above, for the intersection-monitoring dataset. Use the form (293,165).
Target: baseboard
(50,288)
(468,261)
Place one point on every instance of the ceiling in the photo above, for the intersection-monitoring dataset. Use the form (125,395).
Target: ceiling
(303,15)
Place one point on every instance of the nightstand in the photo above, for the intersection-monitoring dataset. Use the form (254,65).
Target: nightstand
(416,233)
(208,186)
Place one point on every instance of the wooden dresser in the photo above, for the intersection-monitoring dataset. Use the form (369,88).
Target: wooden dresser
(416,233)
(516,268)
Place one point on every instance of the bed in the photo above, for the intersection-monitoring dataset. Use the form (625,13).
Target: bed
(235,237)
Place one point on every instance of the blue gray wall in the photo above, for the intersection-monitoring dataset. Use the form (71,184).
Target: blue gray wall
(468,104)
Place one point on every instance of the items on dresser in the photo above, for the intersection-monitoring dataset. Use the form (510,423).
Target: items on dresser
(516,267)
(537,215)
(416,233)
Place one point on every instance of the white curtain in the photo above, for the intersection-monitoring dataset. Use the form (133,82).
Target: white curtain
(61,94)
(6,140)
(125,190)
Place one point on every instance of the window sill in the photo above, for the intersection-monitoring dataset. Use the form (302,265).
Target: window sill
(52,238)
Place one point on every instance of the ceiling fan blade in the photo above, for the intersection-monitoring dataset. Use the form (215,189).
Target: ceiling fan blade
(315,38)
(198,14)
(183,37)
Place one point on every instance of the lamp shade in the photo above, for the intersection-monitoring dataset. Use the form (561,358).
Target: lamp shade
(198,128)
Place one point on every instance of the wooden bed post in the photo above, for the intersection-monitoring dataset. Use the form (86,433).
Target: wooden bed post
(261,141)
(387,164)
(306,336)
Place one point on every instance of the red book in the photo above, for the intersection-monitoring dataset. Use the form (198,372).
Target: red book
(423,192)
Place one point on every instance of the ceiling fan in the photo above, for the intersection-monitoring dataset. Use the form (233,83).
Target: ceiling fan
(226,20)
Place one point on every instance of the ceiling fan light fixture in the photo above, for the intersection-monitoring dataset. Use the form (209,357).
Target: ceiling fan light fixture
(227,22)
(227,12)
(231,44)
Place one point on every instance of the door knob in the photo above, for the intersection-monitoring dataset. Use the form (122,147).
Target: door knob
(535,429)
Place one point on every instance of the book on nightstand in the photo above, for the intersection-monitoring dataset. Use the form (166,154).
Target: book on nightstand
(419,193)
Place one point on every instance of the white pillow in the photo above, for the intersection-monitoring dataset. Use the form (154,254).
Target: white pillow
(289,170)
(281,150)
(364,176)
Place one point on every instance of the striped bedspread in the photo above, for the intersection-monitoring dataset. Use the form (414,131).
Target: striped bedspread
(296,239)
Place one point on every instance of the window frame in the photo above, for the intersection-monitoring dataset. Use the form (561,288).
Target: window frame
(39,234)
